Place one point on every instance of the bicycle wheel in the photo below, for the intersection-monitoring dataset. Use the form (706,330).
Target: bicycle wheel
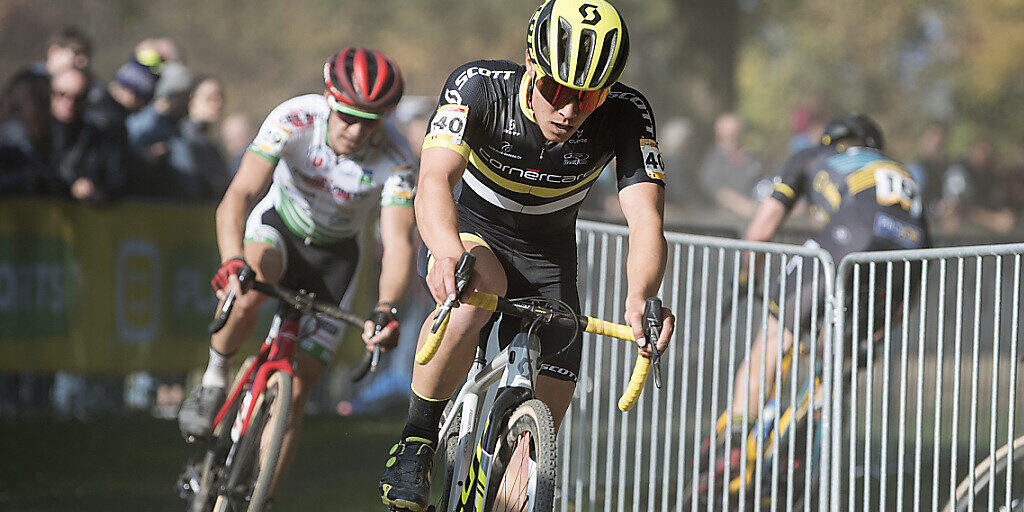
(449,447)
(213,460)
(989,476)
(523,468)
(251,471)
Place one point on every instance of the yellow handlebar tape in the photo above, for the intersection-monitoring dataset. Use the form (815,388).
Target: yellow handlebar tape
(636,383)
(594,325)
(640,370)
(487,301)
(427,351)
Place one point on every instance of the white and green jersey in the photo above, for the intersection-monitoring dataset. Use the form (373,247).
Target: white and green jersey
(321,196)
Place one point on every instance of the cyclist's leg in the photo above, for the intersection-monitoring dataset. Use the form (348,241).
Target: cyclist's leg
(556,394)
(266,252)
(326,271)
(307,372)
(758,371)
(405,483)
(745,393)
(438,379)
(265,258)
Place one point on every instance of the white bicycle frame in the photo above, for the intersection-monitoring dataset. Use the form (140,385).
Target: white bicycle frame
(516,366)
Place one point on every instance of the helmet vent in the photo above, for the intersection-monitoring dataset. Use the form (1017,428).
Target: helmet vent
(543,43)
(610,40)
(584,56)
(564,40)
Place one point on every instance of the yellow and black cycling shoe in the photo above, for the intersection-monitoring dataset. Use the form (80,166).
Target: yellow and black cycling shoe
(406,481)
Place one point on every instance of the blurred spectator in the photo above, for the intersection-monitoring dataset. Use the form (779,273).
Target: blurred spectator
(729,172)
(68,47)
(131,88)
(931,164)
(151,129)
(154,52)
(673,135)
(77,149)
(1015,180)
(974,189)
(199,170)
(807,122)
(25,136)
(236,133)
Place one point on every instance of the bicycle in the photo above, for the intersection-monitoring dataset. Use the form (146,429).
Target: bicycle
(518,436)
(232,470)
(763,464)
(991,477)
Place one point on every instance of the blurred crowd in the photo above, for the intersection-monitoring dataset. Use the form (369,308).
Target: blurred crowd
(157,129)
(148,131)
(974,192)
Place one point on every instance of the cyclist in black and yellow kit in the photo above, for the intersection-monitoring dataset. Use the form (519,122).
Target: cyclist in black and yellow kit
(864,201)
(521,146)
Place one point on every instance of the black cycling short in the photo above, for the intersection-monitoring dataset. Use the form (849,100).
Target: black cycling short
(543,266)
(849,239)
(325,270)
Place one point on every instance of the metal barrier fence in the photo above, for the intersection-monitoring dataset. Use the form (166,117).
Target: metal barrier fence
(657,456)
(936,392)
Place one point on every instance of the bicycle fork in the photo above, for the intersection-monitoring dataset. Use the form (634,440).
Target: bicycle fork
(520,372)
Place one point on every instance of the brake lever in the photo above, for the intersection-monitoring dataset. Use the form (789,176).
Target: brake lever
(463,272)
(652,331)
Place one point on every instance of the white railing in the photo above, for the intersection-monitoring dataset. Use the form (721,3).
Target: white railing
(645,459)
(905,422)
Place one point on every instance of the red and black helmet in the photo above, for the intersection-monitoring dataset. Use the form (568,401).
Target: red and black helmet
(362,82)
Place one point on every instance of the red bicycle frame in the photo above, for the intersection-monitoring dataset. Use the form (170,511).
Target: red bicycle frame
(275,355)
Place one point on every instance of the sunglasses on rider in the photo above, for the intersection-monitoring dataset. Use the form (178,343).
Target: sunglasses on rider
(559,95)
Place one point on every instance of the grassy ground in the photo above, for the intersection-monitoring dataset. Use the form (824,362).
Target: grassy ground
(131,462)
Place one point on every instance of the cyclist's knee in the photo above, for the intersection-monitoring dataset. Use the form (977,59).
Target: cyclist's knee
(490,278)
(265,260)
(248,305)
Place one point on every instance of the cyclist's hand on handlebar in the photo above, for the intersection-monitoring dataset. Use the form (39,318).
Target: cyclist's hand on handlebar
(634,317)
(441,278)
(381,330)
(226,278)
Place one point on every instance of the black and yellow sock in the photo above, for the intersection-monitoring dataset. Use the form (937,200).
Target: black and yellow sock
(424,416)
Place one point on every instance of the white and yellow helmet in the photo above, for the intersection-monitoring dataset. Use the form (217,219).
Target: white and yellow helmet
(582,44)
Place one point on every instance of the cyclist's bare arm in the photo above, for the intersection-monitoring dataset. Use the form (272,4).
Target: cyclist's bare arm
(767,219)
(440,169)
(397,223)
(247,188)
(644,207)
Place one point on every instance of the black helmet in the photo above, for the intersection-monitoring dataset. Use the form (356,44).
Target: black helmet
(853,126)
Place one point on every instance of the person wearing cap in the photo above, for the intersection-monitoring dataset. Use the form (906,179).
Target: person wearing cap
(152,128)
(131,88)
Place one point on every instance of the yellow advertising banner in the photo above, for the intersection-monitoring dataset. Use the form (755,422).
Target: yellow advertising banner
(106,289)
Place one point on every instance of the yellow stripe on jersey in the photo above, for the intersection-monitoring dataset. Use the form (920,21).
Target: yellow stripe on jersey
(864,179)
(522,188)
(786,190)
(444,140)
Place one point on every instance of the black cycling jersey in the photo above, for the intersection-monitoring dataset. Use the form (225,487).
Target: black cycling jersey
(869,202)
(866,200)
(517,178)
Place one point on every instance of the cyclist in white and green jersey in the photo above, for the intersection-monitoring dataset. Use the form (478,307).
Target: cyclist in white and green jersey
(294,211)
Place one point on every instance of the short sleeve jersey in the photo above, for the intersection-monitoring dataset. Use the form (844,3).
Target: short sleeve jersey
(323,196)
(515,177)
(860,188)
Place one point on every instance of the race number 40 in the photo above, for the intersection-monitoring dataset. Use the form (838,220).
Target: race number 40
(653,164)
(450,121)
